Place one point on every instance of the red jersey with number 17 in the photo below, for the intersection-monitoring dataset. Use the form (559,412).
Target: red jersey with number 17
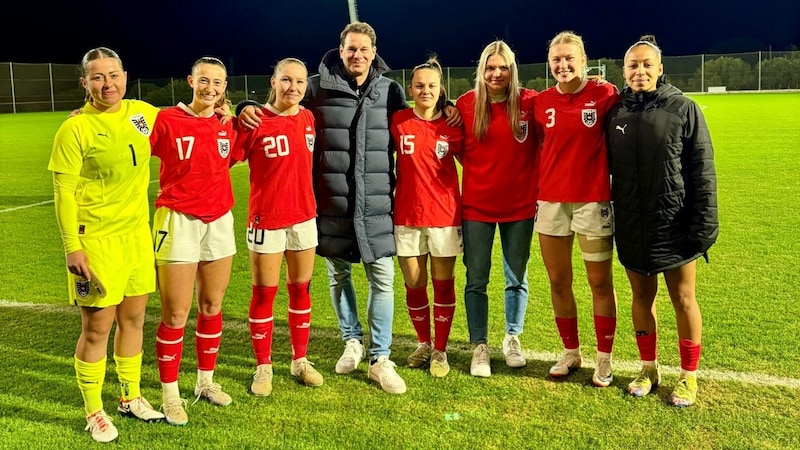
(427,193)
(195,155)
(280,153)
(574,160)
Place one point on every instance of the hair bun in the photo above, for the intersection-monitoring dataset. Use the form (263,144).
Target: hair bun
(648,38)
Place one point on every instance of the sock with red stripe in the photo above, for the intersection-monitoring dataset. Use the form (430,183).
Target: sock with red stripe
(299,318)
(444,307)
(419,310)
(261,322)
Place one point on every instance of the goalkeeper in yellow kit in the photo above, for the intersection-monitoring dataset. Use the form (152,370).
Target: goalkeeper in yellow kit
(100,165)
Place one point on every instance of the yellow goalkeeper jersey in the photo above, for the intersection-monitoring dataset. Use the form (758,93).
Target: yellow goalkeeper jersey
(111,154)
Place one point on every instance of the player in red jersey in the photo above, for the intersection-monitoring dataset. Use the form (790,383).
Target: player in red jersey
(281,220)
(427,212)
(498,191)
(193,232)
(574,198)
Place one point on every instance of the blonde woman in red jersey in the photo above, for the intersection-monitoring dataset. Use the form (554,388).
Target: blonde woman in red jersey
(427,212)
(281,220)
(193,232)
(498,191)
(574,198)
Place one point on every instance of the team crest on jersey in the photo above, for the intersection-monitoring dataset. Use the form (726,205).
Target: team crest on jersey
(224,147)
(82,288)
(442,147)
(140,124)
(310,142)
(589,117)
(523,125)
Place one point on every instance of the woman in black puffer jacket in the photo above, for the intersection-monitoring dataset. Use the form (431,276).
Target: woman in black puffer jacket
(664,191)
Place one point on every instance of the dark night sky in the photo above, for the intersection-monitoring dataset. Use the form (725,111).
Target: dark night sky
(250,36)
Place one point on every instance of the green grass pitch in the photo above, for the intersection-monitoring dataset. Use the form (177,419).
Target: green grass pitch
(749,370)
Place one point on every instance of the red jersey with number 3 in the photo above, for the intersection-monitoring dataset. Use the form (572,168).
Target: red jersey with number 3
(280,153)
(500,172)
(574,159)
(427,193)
(195,155)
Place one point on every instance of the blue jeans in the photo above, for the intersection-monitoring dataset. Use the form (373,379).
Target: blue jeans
(380,302)
(515,238)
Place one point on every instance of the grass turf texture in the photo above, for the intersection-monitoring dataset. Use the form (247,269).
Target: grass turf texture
(749,370)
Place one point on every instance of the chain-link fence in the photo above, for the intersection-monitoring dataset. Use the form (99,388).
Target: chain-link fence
(55,87)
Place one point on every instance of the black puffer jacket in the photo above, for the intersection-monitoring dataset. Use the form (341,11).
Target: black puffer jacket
(664,185)
(353,160)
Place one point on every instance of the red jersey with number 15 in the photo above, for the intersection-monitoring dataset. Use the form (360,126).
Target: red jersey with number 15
(195,155)
(574,160)
(280,153)
(427,193)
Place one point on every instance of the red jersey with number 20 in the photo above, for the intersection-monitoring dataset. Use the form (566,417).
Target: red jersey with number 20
(574,159)
(195,155)
(280,153)
(427,193)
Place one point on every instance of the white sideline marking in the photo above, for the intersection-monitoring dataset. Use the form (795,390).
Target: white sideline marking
(25,206)
(626,366)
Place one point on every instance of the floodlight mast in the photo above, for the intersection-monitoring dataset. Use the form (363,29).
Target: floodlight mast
(351,8)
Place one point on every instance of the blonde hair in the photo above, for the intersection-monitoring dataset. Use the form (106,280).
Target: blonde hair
(482,100)
(570,38)
(272,94)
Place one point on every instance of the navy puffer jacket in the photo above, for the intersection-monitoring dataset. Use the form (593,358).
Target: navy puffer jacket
(664,184)
(353,160)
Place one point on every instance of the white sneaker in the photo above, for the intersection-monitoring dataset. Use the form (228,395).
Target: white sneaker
(213,393)
(569,361)
(99,424)
(512,350)
(140,409)
(262,381)
(174,409)
(303,369)
(352,356)
(420,356)
(382,371)
(602,373)
(481,362)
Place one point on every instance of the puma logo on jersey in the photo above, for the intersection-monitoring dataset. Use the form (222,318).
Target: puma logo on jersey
(591,104)
(622,128)
(222,133)
(105,135)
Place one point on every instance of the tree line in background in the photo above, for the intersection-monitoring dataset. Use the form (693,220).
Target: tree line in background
(31,91)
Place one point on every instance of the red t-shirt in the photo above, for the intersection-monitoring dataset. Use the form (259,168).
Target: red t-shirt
(574,160)
(280,154)
(195,155)
(426,194)
(500,173)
